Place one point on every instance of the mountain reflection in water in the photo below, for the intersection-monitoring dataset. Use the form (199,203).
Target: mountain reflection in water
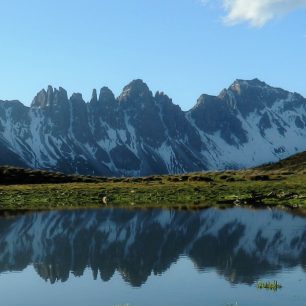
(242,245)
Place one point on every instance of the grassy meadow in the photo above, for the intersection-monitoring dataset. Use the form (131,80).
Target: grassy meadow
(282,185)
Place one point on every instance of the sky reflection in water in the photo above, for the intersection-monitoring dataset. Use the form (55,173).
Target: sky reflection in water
(152,257)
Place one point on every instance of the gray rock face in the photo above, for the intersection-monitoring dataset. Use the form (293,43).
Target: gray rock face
(139,133)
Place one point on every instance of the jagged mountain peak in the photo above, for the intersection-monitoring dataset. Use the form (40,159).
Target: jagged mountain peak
(161,97)
(253,83)
(106,95)
(50,89)
(135,90)
(76,97)
(94,96)
(239,86)
(49,97)
(137,84)
(204,100)
(60,95)
(40,99)
(247,96)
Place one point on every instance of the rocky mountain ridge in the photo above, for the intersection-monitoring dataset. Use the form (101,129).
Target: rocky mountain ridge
(139,133)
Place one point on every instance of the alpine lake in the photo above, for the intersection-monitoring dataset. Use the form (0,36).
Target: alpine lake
(153,257)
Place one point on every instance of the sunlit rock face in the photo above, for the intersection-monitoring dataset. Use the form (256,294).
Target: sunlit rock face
(241,245)
(139,133)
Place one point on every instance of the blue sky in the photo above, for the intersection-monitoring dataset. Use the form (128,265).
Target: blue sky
(182,47)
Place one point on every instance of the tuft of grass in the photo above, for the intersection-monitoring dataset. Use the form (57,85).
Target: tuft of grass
(274,286)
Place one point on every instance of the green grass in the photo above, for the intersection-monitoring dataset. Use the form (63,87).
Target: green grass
(273,286)
(249,188)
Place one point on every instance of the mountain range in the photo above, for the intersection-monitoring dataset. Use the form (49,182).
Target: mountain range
(140,133)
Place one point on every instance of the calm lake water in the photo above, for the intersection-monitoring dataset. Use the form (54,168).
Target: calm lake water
(152,258)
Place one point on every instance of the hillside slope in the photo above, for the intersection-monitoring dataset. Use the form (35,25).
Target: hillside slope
(296,163)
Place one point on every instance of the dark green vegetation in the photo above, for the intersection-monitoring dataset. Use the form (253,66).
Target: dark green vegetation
(282,184)
(20,176)
(274,286)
